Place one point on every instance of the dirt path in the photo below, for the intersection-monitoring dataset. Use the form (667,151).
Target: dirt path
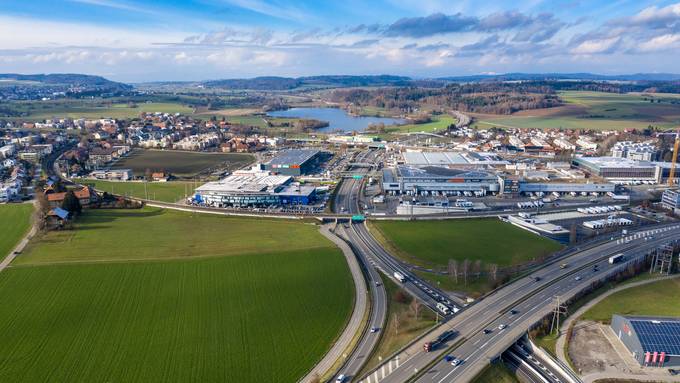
(20,246)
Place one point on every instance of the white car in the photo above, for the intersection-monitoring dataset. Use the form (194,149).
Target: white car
(456,362)
(341,378)
(502,326)
(578,278)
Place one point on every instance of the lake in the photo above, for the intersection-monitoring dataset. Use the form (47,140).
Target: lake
(337,118)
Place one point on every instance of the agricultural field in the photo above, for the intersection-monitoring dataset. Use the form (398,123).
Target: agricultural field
(158,234)
(179,163)
(656,299)
(438,123)
(431,244)
(171,191)
(593,110)
(232,304)
(40,110)
(15,220)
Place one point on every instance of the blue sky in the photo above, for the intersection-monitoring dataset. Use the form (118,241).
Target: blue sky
(152,40)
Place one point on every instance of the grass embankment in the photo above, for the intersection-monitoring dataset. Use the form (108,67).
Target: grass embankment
(496,373)
(431,244)
(438,123)
(401,311)
(180,163)
(224,299)
(15,220)
(593,110)
(171,191)
(655,299)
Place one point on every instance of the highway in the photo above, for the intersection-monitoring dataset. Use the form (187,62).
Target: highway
(378,314)
(373,258)
(347,199)
(529,299)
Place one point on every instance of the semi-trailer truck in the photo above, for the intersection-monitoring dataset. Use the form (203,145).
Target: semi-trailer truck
(615,258)
(443,337)
(399,276)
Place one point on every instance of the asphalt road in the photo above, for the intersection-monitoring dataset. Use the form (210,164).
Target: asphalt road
(531,299)
(369,340)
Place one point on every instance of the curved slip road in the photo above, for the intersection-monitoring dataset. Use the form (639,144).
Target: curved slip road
(356,320)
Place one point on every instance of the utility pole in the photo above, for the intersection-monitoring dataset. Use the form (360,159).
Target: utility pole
(559,310)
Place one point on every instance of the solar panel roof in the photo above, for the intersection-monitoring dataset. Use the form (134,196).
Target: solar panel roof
(662,335)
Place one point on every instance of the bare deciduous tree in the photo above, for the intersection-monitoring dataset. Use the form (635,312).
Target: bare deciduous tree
(453,270)
(477,268)
(415,307)
(466,269)
(395,323)
(493,272)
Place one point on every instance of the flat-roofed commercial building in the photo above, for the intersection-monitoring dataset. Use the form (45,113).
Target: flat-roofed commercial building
(652,341)
(452,159)
(671,200)
(295,162)
(254,188)
(625,169)
(404,179)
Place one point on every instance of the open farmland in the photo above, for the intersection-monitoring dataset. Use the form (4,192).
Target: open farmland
(655,299)
(171,191)
(593,110)
(179,163)
(160,234)
(40,110)
(233,304)
(14,224)
(438,123)
(431,244)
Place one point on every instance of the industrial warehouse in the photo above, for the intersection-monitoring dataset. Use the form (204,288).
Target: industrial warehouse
(254,188)
(411,180)
(625,170)
(295,162)
(652,341)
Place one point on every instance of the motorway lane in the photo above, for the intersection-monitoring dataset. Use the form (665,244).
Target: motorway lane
(414,284)
(472,320)
(479,348)
(369,340)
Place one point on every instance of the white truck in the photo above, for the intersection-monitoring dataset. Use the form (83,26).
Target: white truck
(399,276)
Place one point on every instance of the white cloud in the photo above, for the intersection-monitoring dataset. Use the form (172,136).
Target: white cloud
(660,43)
(595,46)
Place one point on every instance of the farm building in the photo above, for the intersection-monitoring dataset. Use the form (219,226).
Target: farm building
(653,341)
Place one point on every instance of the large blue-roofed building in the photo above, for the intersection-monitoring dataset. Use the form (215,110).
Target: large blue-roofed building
(652,341)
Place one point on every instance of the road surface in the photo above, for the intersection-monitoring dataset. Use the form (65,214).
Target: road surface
(530,298)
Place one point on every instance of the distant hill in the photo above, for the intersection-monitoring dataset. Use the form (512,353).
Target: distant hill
(68,79)
(288,83)
(564,76)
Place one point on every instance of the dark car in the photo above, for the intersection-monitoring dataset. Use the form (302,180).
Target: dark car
(487,331)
